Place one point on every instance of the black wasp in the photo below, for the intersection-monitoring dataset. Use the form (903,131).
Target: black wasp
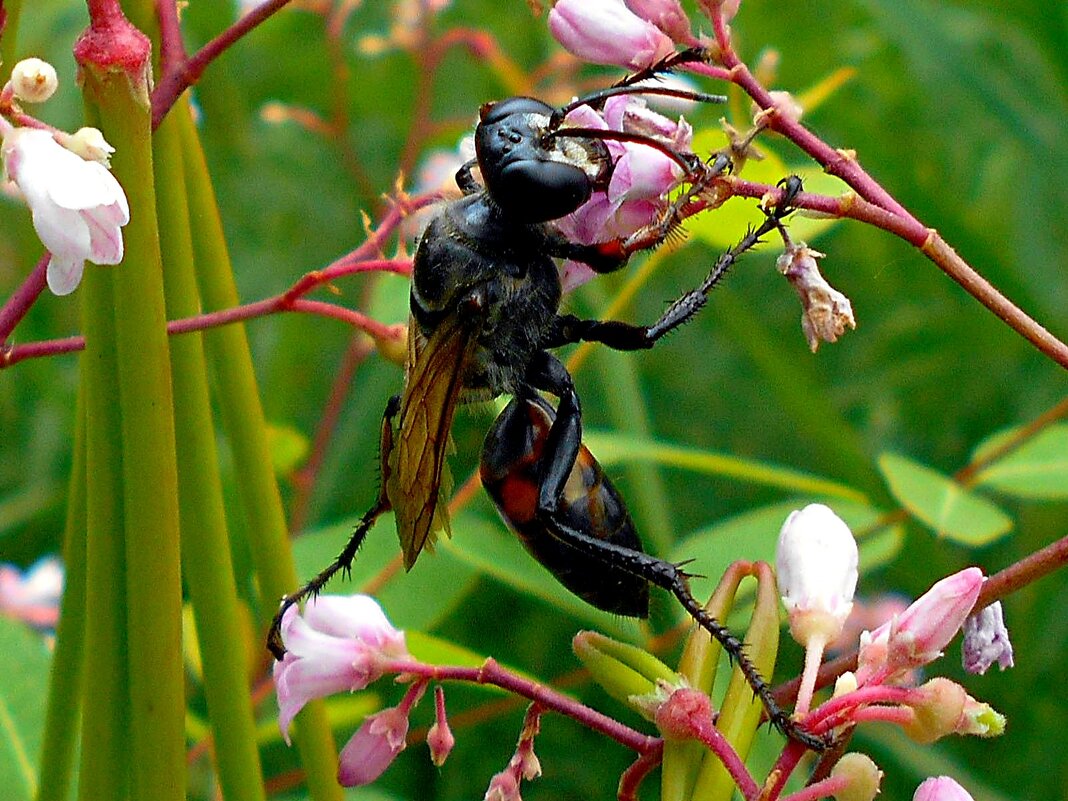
(484,315)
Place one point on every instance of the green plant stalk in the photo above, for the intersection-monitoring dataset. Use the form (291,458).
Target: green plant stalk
(205,541)
(246,427)
(150,476)
(740,714)
(65,681)
(9,41)
(698,665)
(104,771)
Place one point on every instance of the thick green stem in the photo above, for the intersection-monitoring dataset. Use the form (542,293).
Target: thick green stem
(205,540)
(156,754)
(246,428)
(65,685)
(105,713)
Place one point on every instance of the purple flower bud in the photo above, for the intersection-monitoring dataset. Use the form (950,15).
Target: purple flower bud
(941,788)
(373,747)
(986,640)
(607,32)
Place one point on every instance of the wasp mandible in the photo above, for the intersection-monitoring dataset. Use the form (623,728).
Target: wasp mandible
(484,303)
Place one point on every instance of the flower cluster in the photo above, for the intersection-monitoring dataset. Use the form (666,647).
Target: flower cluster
(77,206)
(640,182)
(817,561)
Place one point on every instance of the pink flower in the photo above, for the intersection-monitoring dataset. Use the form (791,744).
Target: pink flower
(920,633)
(78,207)
(941,788)
(340,644)
(986,640)
(667,15)
(641,178)
(607,32)
(32,595)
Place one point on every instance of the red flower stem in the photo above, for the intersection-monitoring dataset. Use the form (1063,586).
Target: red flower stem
(493,674)
(291,300)
(705,730)
(634,775)
(1024,572)
(20,302)
(171,48)
(825,788)
(897,715)
(180,76)
(865,696)
(784,767)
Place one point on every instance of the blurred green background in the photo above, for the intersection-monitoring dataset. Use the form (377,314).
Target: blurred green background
(959,109)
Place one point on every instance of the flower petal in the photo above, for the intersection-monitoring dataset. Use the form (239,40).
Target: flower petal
(64,273)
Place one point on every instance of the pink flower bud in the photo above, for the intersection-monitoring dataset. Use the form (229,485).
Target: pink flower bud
(941,788)
(440,738)
(667,15)
(684,712)
(373,747)
(920,633)
(607,32)
(986,640)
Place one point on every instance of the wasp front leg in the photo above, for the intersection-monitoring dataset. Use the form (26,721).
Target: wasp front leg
(619,335)
(344,560)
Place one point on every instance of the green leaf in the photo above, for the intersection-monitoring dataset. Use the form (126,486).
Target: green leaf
(952,511)
(613,448)
(24,662)
(1037,469)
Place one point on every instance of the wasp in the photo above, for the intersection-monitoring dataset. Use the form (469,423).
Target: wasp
(485,316)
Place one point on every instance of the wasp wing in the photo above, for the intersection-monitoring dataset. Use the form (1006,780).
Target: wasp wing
(417,471)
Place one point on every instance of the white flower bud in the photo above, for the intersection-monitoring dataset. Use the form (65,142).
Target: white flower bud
(816,562)
(34,80)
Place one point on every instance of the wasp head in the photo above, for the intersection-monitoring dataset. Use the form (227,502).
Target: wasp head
(530,174)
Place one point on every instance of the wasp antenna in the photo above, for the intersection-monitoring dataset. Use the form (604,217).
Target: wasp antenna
(684,160)
(597,98)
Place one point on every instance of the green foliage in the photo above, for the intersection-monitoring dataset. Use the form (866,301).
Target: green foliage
(958,110)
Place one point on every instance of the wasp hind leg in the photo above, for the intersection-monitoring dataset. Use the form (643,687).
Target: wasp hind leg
(343,562)
(558,459)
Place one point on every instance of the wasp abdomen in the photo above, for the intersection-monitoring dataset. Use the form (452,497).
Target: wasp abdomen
(511,473)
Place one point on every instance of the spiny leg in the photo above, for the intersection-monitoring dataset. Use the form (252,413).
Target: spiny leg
(627,336)
(344,560)
(558,459)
